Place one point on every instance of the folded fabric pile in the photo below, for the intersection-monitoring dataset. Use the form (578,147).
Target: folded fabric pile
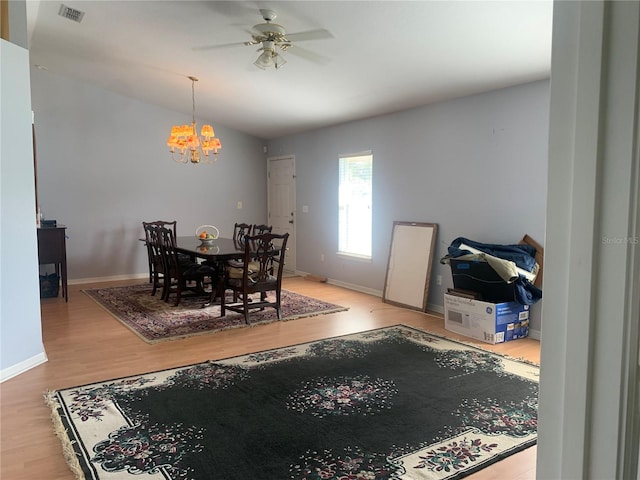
(515,264)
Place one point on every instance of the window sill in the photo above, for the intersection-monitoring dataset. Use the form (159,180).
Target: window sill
(355,257)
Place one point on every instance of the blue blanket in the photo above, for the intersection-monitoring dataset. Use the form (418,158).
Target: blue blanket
(522,255)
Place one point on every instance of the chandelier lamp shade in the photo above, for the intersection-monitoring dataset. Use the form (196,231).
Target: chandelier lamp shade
(184,142)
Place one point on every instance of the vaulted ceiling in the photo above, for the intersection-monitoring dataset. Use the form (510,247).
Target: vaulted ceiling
(373,57)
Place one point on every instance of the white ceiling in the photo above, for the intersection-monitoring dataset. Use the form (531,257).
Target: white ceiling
(384,56)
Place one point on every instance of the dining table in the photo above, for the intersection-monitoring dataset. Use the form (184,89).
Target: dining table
(216,250)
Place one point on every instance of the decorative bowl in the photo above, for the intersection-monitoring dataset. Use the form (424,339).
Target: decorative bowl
(211,233)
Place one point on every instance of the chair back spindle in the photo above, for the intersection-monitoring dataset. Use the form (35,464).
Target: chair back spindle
(260,229)
(240,230)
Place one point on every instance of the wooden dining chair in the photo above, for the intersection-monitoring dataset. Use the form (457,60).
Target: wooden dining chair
(178,271)
(260,229)
(262,268)
(241,230)
(153,254)
(156,262)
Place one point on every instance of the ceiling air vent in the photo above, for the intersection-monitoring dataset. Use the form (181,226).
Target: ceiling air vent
(70,13)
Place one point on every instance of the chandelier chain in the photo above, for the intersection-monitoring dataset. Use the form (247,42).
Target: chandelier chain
(193,98)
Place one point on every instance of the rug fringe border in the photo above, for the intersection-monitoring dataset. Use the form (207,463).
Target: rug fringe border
(232,327)
(470,344)
(313,314)
(68,452)
(243,325)
(251,325)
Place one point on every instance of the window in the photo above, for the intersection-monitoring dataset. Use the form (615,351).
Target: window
(354,202)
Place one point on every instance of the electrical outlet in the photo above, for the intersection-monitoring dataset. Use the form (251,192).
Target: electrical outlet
(438,279)
(239,205)
(322,257)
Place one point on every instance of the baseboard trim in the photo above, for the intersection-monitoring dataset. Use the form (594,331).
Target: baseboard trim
(431,307)
(371,291)
(135,276)
(350,286)
(535,334)
(357,288)
(18,368)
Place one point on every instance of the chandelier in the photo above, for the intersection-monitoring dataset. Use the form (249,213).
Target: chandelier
(185,139)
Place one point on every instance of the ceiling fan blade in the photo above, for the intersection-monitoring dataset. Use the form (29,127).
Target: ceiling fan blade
(308,55)
(225,45)
(213,47)
(309,35)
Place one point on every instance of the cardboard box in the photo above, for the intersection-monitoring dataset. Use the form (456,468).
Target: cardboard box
(485,321)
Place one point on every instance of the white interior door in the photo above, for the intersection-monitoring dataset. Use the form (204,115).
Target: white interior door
(281,192)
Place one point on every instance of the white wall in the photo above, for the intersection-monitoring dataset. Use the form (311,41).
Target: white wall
(476,166)
(103,168)
(20,333)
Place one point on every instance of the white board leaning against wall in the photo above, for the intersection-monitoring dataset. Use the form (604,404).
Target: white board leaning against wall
(409,265)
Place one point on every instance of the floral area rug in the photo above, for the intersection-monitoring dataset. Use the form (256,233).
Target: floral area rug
(390,403)
(154,320)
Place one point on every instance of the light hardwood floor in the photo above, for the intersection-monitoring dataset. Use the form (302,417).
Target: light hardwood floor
(85,344)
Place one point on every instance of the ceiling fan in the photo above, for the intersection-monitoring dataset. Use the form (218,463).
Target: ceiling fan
(272,37)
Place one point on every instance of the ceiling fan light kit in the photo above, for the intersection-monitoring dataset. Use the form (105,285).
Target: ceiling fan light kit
(269,57)
(185,138)
(270,35)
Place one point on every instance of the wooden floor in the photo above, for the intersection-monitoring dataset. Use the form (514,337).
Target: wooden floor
(85,344)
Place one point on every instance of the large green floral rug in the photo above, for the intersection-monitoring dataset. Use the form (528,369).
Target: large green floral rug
(391,403)
(154,320)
